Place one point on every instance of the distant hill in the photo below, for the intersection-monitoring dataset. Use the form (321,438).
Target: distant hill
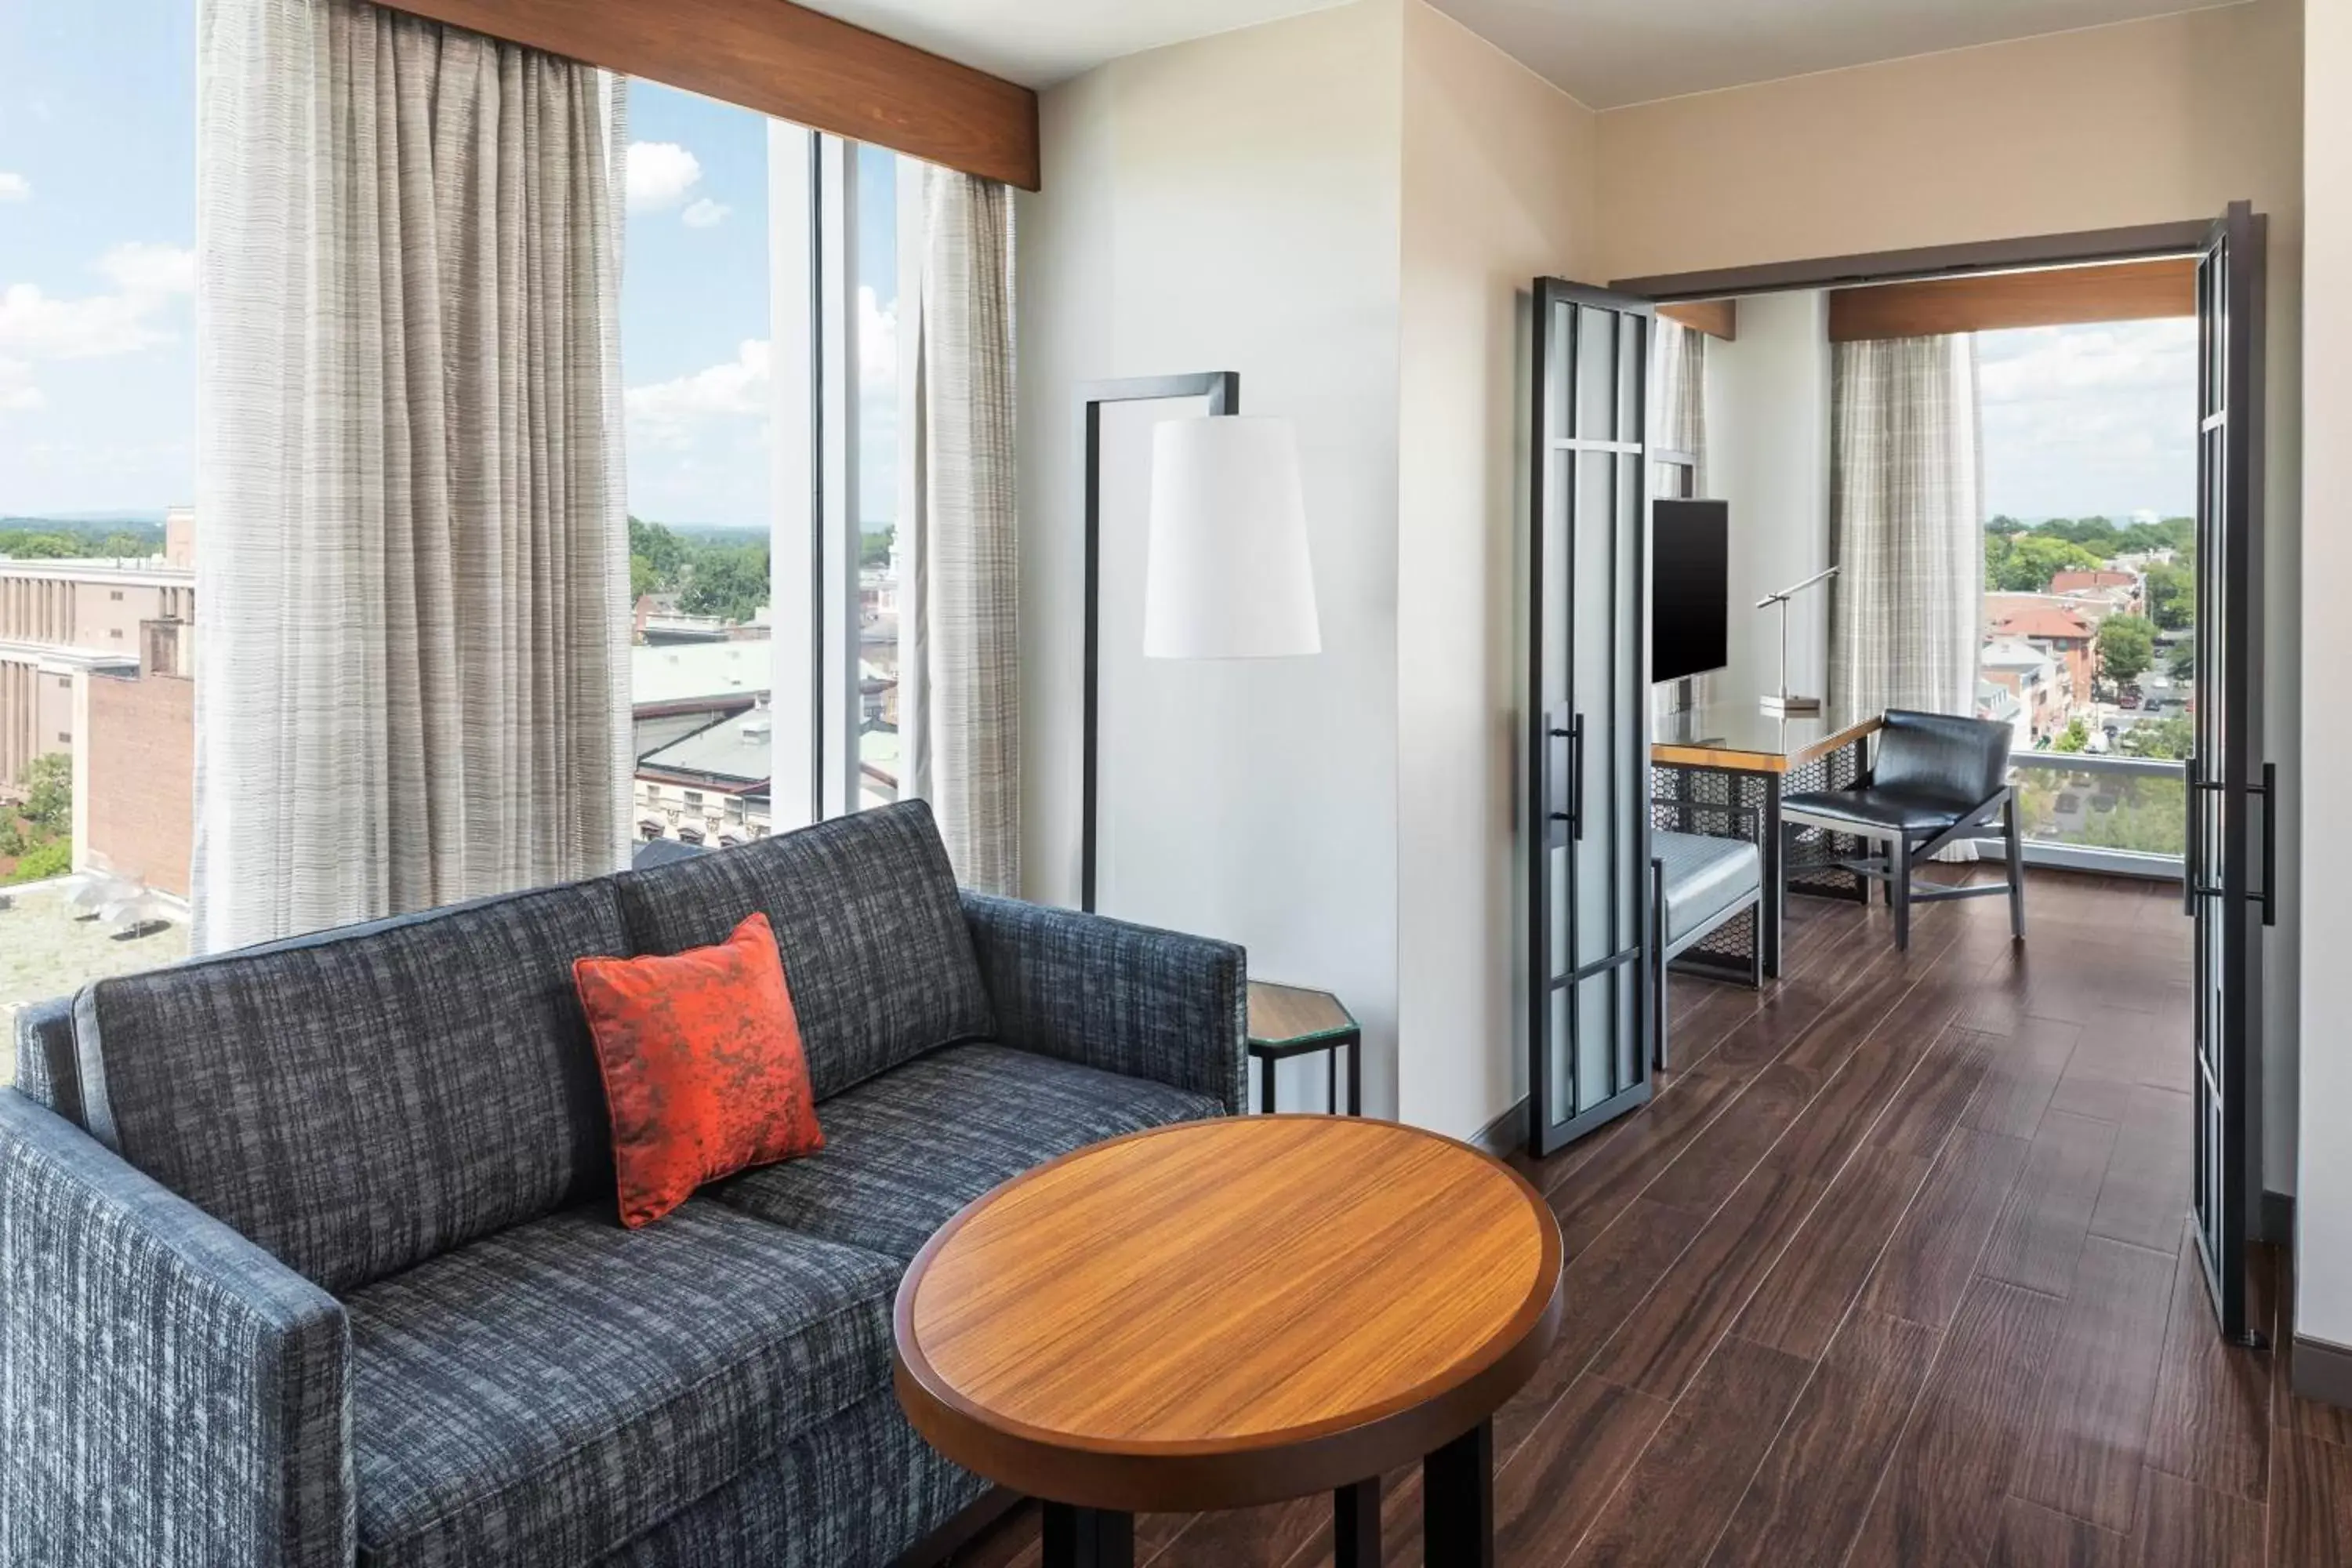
(147,526)
(78,538)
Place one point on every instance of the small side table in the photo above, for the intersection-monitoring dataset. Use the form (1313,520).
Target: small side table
(1287,1021)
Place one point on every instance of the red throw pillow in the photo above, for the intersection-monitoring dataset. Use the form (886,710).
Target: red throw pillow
(703,1066)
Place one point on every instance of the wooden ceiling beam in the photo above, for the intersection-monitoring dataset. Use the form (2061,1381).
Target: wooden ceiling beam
(788,61)
(2063,296)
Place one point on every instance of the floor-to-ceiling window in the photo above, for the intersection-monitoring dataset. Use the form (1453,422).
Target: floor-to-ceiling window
(762,399)
(2089,453)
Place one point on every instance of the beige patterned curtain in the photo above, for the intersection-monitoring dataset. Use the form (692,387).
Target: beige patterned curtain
(959,697)
(1905,526)
(1679,407)
(1678,423)
(413,679)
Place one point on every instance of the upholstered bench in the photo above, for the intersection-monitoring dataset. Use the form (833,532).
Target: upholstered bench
(1703,883)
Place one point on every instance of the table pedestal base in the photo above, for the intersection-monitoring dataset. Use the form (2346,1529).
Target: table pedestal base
(1088,1538)
(1457,1517)
(1457,1501)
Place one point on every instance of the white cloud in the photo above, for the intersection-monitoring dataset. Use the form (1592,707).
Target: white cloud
(15,187)
(665,412)
(878,344)
(2084,420)
(37,325)
(659,174)
(704,213)
(145,270)
(18,393)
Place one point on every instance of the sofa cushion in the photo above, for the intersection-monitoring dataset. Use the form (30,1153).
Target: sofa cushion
(547,1395)
(358,1102)
(861,1489)
(903,1153)
(867,916)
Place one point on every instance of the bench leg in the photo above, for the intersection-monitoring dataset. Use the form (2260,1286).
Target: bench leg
(1658,960)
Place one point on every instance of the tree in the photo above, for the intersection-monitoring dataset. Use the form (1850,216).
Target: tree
(874,546)
(2183,665)
(2126,645)
(2026,563)
(49,793)
(2172,596)
(53,859)
(2150,821)
(2174,737)
(2075,737)
(730,582)
(665,554)
(2001,522)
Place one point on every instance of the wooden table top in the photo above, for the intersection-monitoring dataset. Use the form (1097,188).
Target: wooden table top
(1737,735)
(1281,1014)
(1227,1312)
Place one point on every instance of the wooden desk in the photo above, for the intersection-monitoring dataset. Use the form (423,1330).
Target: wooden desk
(1723,768)
(1232,1313)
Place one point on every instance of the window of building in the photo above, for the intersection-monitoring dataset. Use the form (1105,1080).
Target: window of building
(761,396)
(760,356)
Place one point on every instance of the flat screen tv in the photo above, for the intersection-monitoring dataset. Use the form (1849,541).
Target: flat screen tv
(1690,587)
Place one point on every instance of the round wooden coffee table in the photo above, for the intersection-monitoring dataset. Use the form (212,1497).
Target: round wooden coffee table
(1232,1313)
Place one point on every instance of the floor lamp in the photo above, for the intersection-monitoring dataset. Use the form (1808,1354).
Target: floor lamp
(1227,573)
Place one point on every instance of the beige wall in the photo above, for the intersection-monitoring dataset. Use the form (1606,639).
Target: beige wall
(2153,122)
(86,608)
(1498,189)
(2323,1179)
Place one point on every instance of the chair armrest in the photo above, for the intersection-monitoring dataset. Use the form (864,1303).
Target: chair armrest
(1126,998)
(169,1392)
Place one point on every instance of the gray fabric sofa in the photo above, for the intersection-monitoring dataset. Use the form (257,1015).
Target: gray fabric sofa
(310,1254)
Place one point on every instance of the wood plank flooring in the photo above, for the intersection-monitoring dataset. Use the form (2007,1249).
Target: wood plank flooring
(1892,1271)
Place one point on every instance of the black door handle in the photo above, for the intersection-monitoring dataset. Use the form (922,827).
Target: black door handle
(1576,777)
(1574,736)
(2268,790)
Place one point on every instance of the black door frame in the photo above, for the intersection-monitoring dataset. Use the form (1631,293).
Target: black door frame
(2246,777)
(1553,749)
(2228,775)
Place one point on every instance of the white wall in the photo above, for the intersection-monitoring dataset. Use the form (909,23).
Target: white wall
(1229,204)
(2323,1179)
(2154,121)
(1768,453)
(1348,208)
(1498,189)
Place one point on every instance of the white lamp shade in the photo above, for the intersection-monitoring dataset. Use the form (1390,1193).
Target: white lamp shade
(1226,572)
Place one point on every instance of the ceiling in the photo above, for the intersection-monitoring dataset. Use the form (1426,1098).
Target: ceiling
(1608,53)
(1040,42)
(1611,53)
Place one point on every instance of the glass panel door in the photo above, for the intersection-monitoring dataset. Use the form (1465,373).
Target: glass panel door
(1588,784)
(2230,787)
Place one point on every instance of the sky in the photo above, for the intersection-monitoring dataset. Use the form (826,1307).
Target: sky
(98,264)
(2089,420)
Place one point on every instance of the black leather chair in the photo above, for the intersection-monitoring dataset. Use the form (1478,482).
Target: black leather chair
(1937,780)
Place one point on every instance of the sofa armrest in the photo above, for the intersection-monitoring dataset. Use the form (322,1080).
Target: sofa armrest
(169,1392)
(1126,998)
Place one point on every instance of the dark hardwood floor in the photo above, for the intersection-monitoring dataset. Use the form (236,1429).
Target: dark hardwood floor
(1894,1270)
